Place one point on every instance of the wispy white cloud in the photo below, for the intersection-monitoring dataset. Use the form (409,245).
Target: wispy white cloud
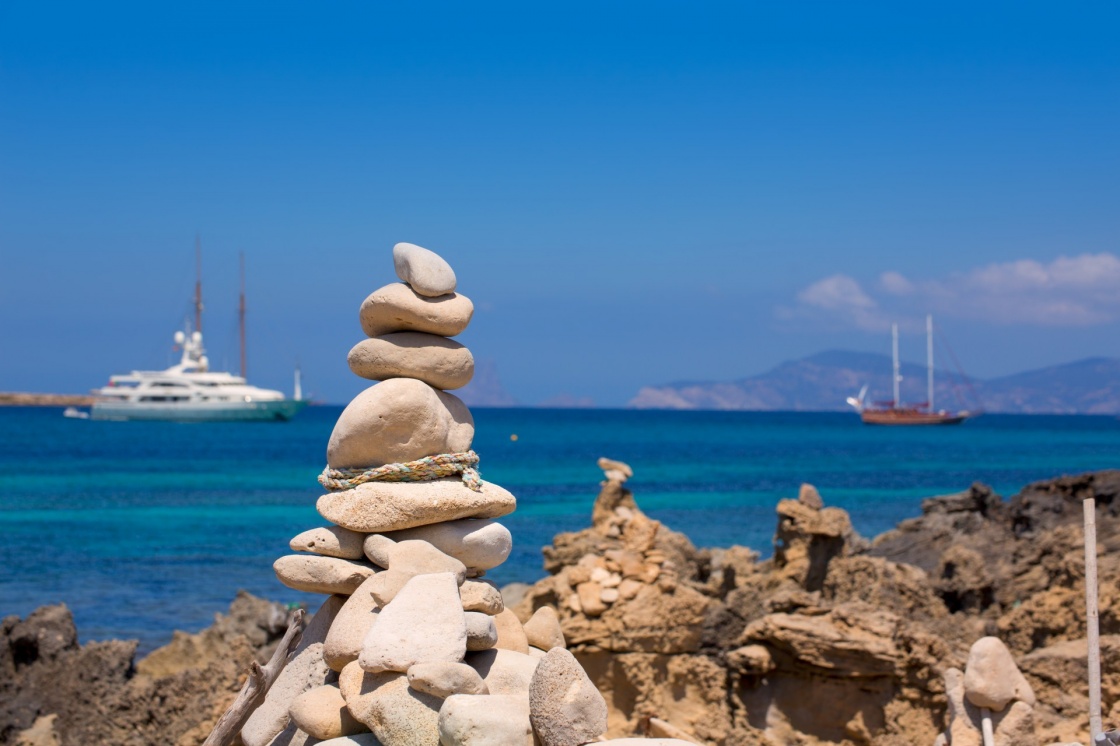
(1068,291)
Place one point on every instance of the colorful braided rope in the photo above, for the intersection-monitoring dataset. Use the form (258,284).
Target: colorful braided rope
(421,470)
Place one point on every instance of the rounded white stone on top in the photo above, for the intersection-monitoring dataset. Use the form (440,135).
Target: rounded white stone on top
(425,271)
(399,420)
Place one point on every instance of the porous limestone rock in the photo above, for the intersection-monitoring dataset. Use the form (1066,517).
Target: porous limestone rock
(991,678)
(480,544)
(437,361)
(425,271)
(442,679)
(504,671)
(321,713)
(305,669)
(397,715)
(329,541)
(479,595)
(344,640)
(485,720)
(511,635)
(481,632)
(397,307)
(564,706)
(424,623)
(389,506)
(543,629)
(317,574)
(399,420)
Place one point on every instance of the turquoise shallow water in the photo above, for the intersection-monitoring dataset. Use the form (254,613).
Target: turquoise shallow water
(143,528)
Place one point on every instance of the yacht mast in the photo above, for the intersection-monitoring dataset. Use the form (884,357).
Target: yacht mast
(894,358)
(241,314)
(929,362)
(198,284)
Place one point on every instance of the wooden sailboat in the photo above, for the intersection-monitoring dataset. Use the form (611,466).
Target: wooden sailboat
(896,413)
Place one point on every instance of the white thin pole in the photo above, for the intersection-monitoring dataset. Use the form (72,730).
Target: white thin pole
(1092,621)
(929,361)
(894,358)
(986,727)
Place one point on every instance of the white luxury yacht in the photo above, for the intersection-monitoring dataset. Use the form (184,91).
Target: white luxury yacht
(190,392)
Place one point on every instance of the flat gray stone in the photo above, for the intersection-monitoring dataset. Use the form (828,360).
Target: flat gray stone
(991,678)
(425,271)
(399,308)
(442,679)
(480,595)
(321,713)
(344,640)
(437,361)
(399,420)
(543,629)
(485,720)
(305,669)
(478,544)
(397,715)
(424,623)
(481,632)
(330,541)
(391,506)
(565,707)
(504,671)
(316,574)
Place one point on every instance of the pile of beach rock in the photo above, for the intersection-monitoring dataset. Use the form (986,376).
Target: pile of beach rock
(413,645)
(991,695)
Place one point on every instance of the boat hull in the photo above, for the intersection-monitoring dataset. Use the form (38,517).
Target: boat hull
(904,417)
(262,411)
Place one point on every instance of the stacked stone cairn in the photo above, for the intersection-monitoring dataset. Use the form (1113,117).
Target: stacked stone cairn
(991,703)
(413,646)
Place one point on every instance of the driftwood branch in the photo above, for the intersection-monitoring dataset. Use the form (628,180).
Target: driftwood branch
(259,682)
(1092,621)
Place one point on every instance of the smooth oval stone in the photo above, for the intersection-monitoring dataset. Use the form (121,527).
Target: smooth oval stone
(424,270)
(395,713)
(343,643)
(504,671)
(329,541)
(478,544)
(991,678)
(399,420)
(376,548)
(399,308)
(408,559)
(425,622)
(304,670)
(543,629)
(437,361)
(479,595)
(442,679)
(321,713)
(564,706)
(390,506)
(481,632)
(511,635)
(485,720)
(315,574)
(360,739)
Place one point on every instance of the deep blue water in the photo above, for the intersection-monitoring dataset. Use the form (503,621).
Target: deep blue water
(143,528)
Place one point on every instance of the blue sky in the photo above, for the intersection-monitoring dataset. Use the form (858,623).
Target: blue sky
(631,193)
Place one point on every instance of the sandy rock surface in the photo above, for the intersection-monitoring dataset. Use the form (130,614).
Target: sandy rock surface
(397,307)
(343,642)
(565,707)
(389,506)
(424,623)
(437,361)
(485,720)
(316,574)
(480,544)
(329,541)
(442,679)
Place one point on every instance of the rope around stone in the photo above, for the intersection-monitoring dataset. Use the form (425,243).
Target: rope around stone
(421,470)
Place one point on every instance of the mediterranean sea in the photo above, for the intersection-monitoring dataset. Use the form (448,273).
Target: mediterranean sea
(143,528)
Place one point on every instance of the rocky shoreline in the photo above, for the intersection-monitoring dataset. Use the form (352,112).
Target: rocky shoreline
(834,640)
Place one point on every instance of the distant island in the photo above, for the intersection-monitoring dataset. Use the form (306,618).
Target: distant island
(823,381)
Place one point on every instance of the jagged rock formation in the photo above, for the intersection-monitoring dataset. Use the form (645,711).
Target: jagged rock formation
(834,639)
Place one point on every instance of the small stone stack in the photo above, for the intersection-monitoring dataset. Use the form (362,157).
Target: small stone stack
(992,688)
(413,647)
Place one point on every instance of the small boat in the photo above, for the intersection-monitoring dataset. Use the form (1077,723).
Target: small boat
(75,413)
(190,391)
(894,412)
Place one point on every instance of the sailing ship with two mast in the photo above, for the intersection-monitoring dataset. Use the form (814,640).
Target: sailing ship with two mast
(190,391)
(894,412)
